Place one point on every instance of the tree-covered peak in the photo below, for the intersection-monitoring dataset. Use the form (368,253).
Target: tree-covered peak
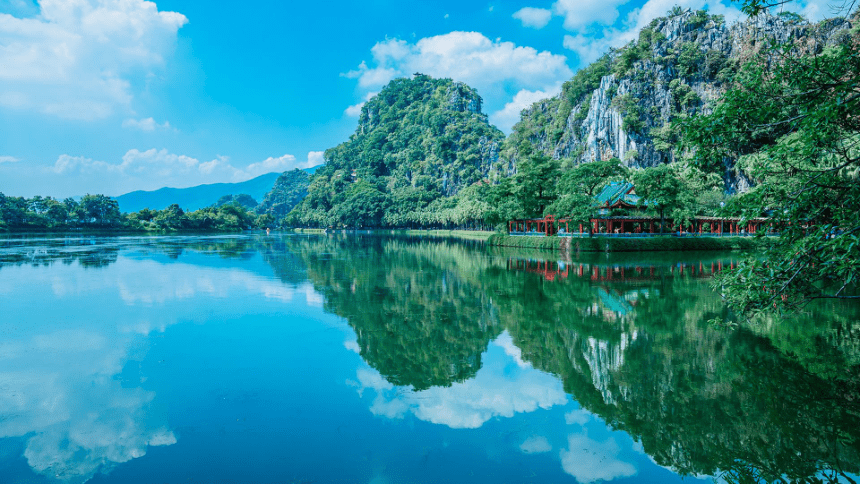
(419,142)
(419,93)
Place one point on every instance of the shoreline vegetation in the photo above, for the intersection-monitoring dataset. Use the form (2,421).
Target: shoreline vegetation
(612,244)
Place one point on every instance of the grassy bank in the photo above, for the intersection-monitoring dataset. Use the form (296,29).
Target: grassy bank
(607,244)
(456,234)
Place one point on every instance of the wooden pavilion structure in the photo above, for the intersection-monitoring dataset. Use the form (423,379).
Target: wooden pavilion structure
(641,226)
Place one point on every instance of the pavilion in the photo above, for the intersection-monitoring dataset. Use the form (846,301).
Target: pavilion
(622,195)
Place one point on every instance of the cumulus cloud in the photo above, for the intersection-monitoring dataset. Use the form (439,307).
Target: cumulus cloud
(316,158)
(496,68)
(509,115)
(591,39)
(355,110)
(145,124)
(536,18)
(579,14)
(589,460)
(469,57)
(154,168)
(79,59)
(9,159)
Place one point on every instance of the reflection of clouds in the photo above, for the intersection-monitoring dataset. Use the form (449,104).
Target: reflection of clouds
(58,389)
(181,281)
(96,439)
(577,417)
(352,345)
(535,445)
(493,392)
(589,460)
(506,342)
(59,386)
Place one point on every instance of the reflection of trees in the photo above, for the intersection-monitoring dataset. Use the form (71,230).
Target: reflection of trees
(701,400)
(417,321)
(780,397)
(753,404)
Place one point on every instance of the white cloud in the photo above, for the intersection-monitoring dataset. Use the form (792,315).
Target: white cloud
(315,158)
(355,110)
(145,124)
(589,460)
(9,159)
(497,69)
(535,445)
(579,14)
(536,18)
(79,59)
(588,49)
(505,118)
(589,40)
(152,169)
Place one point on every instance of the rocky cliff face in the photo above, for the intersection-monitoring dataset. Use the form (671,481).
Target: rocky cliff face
(680,66)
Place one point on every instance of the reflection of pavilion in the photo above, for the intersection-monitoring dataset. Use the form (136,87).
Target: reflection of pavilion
(550,270)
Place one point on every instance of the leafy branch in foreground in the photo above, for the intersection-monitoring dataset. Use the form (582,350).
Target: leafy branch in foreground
(793,121)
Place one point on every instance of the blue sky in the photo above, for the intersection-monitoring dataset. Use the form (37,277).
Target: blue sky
(110,96)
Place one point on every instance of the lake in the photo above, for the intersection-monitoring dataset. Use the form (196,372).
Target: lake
(361,359)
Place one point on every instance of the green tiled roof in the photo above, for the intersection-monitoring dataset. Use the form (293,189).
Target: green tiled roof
(617,191)
(613,192)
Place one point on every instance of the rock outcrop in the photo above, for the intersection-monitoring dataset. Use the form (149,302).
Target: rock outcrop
(679,67)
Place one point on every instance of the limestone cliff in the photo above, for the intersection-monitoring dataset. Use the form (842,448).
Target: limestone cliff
(621,105)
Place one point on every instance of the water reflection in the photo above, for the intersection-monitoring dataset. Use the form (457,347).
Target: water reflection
(630,341)
(70,385)
(459,336)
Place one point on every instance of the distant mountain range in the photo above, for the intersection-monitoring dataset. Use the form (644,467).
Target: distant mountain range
(193,198)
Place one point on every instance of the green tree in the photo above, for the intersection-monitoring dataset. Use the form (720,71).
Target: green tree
(98,211)
(535,183)
(578,187)
(792,118)
(662,187)
(289,190)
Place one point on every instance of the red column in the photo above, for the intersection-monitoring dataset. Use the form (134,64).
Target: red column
(609,227)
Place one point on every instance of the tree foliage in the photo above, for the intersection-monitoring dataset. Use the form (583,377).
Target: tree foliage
(419,142)
(792,118)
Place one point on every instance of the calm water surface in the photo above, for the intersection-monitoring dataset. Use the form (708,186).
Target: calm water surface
(287,359)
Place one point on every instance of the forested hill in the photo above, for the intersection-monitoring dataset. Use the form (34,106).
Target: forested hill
(419,142)
(623,104)
(193,198)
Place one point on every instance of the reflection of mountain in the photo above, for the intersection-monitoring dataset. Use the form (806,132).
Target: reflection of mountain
(418,321)
(630,341)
